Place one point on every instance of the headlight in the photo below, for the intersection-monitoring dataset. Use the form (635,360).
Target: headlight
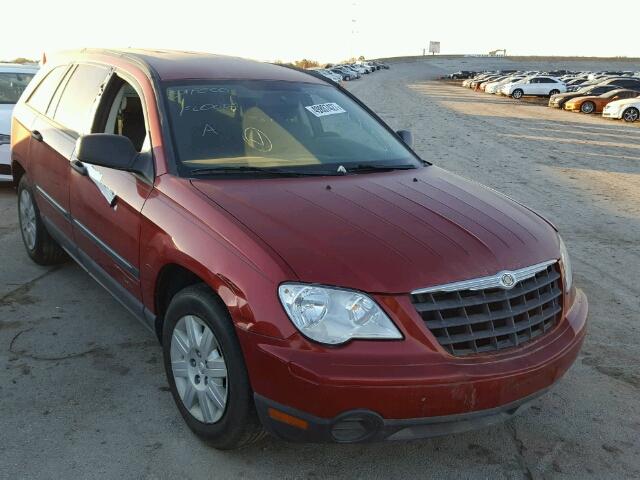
(566,265)
(334,316)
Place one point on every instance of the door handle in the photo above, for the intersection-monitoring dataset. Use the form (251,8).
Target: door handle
(79,167)
(36,135)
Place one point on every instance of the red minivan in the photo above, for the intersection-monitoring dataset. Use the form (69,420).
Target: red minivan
(306,273)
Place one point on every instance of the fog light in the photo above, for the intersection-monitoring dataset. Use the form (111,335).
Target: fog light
(356,427)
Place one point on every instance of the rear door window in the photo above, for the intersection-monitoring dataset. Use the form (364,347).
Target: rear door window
(41,97)
(75,108)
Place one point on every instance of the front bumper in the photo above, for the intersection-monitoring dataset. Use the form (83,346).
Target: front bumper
(5,163)
(402,389)
(363,425)
(612,114)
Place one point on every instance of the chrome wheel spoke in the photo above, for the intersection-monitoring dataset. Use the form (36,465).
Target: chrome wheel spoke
(206,407)
(181,344)
(217,395)
(189,395)
(216,368)
(193,331)
(180,368)
(207,342)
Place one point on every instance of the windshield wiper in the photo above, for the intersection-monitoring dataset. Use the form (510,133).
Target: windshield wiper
(372,167)
(255,170)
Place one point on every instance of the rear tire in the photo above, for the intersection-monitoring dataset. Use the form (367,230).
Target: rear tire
(517,94)
(42,249)
(588,107)
(630,115)
(232,422)
(554,92)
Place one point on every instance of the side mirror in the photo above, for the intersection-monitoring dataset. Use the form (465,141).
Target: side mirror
(406,136)
(107,150)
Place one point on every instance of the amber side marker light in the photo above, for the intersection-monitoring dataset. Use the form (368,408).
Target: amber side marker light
(288,419)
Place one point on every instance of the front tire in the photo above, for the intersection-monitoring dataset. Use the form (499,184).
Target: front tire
(517,94)
(42,249)
(588,107)
(554,92)
(631,115)
(206,371)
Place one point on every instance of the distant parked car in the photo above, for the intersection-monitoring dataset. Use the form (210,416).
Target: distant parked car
(361,69)
(382,65)
(475,84)
(596,103)
(346,75)
(371,66)
(461,74)
(14,79)
(329,74)
(627,110)
(623,82)
(349,68)
(535,86)
(558,101)
(495,86)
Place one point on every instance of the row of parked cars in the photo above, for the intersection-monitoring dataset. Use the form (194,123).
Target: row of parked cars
(351,71)
(614,94)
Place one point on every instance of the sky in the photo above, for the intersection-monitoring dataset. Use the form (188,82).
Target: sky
(323,30)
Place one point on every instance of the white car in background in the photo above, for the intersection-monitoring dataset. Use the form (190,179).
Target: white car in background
(329,74)
(494,87)
(627,109)
(14,79)
(536,85)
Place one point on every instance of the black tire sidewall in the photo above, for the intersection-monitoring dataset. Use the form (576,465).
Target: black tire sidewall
(517,94)
(199,301)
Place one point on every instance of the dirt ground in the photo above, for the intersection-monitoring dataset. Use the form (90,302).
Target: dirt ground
(83,392)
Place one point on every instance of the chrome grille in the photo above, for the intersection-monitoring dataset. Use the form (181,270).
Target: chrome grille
(467,321)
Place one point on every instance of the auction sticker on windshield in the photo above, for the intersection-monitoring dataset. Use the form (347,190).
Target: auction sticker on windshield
(323,109)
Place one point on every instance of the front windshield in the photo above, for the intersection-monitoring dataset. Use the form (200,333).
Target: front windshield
(275,124)
(12,85)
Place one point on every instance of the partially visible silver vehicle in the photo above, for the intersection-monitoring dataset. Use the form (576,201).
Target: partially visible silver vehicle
(329,74)
(13,80)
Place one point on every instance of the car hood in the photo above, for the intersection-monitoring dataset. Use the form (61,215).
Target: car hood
(5,118)
(387,232)
(565,95)
(624,101)
(583,98)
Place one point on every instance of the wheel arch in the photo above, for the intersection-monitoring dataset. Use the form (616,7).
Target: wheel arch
(171,279)
(17,170)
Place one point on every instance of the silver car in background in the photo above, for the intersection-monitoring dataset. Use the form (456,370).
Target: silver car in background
(14,78)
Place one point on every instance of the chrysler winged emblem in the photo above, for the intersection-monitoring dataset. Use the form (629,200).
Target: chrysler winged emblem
(507,280)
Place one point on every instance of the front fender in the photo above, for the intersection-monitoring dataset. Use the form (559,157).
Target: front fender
(181,227)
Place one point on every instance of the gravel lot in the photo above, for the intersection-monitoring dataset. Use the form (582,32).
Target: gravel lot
(82,388)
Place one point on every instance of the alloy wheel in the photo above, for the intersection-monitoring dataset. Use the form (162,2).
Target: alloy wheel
(587,107)
(199,369)
(630,115)
(27,219)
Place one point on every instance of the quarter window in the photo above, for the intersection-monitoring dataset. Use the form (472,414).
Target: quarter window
(41,97)
(75,107)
